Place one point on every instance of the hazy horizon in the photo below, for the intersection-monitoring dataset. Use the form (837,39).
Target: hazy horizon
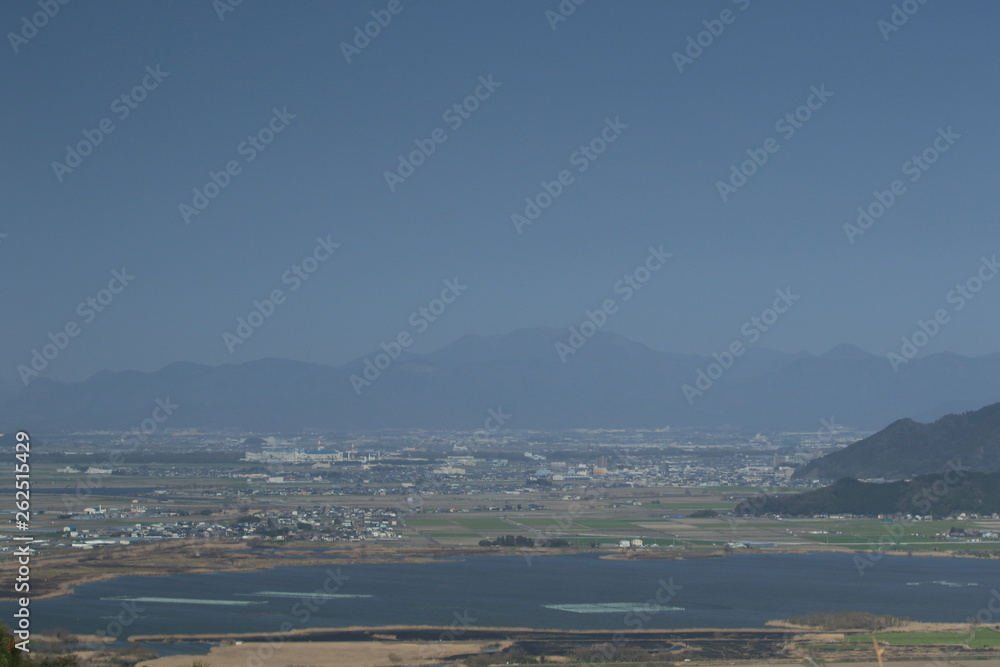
(423,352)
(622,125)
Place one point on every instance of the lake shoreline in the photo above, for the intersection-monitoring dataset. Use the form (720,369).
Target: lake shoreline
(779,643)
(67,571)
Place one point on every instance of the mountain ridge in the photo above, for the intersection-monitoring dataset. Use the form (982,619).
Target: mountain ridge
(610,381)
(906,448)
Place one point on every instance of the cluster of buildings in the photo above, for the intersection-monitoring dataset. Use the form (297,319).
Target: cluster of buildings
(318,523)
(969,534)
(480,461)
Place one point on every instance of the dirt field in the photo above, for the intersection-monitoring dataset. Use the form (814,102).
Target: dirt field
(415,645)
(325,654)
(373,654)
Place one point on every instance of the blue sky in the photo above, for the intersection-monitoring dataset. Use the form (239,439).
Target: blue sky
(344,124)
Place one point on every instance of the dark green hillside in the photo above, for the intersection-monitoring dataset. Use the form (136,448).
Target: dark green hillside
(906,448)
(944,494)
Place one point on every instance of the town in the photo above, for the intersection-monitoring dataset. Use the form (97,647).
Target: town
(407,488)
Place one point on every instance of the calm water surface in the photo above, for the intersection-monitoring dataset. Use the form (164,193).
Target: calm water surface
(745,590)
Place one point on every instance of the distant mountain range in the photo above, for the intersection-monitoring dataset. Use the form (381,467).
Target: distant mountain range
(906,448)
(609,382)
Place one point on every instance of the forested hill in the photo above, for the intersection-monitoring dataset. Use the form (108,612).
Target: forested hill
(906,448)
(942,494)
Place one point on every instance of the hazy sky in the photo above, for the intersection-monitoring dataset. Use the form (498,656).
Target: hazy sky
(202,93)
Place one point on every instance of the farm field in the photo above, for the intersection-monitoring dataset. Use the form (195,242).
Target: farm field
(981,638)
(675,517)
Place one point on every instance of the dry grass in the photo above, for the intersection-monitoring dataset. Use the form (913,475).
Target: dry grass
(325,654)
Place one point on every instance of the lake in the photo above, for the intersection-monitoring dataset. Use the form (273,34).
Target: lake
(566,592)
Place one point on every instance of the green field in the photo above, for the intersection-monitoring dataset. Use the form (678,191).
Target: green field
(482,523)
(551,522)
(875,533)
(610,524)
(655,515)
(426,520)
(982,638)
